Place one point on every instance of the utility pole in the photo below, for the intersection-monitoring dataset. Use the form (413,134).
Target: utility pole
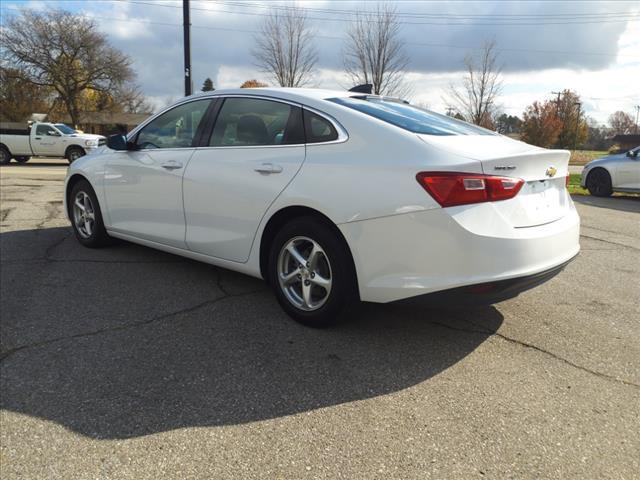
(186,23)
(637,107)
(575,136)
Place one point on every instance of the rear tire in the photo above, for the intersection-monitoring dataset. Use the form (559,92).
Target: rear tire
(599,183)
(86,217)
(74,153)
(22,159)
(5,156)
(311,272)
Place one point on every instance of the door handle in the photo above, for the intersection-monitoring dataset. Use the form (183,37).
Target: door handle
(38,138)
(267,168)
(172,165)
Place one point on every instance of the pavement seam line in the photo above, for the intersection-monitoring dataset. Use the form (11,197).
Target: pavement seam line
(609,241)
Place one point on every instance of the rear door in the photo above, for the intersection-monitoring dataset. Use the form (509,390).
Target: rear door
(254,150)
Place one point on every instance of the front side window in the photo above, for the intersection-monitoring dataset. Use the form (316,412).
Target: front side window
(45,129)
(174,129)
(255,122)
(409,117)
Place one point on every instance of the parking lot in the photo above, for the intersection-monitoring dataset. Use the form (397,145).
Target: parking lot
(126,362)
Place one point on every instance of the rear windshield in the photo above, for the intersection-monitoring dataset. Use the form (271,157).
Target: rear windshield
(410,118)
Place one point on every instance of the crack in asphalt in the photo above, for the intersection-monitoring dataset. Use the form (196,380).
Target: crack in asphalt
(531,346)
(609,242)
(6,354)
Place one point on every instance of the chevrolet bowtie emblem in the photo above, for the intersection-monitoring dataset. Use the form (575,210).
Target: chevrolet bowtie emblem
(551,172)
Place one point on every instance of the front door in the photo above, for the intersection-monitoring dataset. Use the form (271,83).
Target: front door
(256,148)
(143,187)
(47,141)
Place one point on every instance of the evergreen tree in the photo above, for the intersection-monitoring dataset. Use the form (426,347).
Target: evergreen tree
(207,86)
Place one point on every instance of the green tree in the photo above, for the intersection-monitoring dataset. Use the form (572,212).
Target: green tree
(64,52)
(207,86)
(574,131)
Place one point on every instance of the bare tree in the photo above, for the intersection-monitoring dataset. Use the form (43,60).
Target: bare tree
(64,52)
(374,51)
(621,122)
(284,48)
(476,97)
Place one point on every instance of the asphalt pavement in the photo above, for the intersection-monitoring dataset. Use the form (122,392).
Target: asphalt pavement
(126,362)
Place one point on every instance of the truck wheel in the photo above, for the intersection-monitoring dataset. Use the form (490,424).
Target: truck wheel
(5,156)
(74,153)
(22,159)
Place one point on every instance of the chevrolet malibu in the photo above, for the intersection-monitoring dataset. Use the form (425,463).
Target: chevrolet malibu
(332,197)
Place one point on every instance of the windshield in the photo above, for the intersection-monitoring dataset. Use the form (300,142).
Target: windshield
(67,130)
(410,118)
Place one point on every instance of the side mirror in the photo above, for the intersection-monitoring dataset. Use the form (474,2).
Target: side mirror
(52,133)
(117,142)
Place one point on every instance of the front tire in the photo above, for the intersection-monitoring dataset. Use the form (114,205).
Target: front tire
(311,272)
(86,217)
(5,156)
(599,183)
(74,153)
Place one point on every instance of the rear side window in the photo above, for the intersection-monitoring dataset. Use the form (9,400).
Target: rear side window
(410,118)
(255,122)
(318,129)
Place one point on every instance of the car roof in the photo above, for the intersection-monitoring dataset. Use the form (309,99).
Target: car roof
(285,93)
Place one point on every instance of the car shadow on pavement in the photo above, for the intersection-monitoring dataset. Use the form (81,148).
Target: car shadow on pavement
(625,203)
(127,341)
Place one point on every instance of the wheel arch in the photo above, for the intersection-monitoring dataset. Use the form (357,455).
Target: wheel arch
(73,180)
(75,145)
(286,214)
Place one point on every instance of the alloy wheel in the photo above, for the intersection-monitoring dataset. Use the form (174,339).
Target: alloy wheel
(304,273)
(84,217)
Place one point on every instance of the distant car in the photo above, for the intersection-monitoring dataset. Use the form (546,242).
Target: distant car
(614,173)
(22,141)
(332,197)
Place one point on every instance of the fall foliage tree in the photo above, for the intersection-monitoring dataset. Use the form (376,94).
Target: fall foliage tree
(540,124)
(19,99)
(253,84)
(574,131)
(64,52)
(621,123)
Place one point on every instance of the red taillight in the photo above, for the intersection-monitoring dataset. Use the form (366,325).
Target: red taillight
(455,188)
(566,181)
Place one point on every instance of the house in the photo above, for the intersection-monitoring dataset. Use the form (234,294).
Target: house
(626,142)
(108,123)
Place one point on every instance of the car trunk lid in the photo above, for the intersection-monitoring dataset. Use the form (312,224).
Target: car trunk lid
(543,197)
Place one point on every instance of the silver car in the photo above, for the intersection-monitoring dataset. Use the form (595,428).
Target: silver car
(614,173)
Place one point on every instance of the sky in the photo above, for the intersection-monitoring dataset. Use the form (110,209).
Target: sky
(590,47)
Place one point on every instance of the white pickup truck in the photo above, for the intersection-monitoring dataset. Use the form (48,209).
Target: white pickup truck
(22,141)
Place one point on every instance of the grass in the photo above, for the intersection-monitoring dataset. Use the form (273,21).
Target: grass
(574,185)
(582,157)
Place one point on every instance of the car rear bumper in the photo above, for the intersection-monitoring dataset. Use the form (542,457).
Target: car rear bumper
(414,254)
(485,293)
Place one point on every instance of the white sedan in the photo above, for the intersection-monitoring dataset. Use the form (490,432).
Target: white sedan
(332,197)
(615,173)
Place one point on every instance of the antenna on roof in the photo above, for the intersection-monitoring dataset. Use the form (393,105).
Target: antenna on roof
(364,88)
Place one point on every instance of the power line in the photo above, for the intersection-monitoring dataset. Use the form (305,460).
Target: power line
(458,22)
